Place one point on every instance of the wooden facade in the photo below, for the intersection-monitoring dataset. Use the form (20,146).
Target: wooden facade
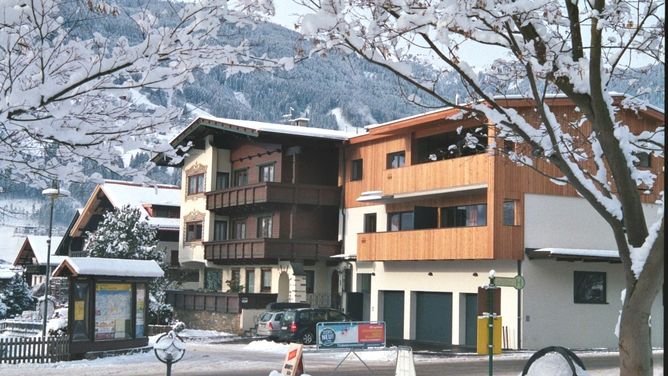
(298,199)
(455,181)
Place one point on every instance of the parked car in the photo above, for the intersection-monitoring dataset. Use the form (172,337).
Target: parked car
(269,324)
(298,325)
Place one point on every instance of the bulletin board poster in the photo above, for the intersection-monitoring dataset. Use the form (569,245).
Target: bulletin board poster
(113,311)
(350,334)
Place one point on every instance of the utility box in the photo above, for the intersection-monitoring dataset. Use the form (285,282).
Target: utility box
(483,335)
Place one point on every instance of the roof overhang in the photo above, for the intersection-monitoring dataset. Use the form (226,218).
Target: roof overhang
(574,254)
(108,267)
(379,197)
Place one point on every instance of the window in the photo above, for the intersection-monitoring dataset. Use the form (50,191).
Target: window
(234,283)
(264,227)
(310,281)
(193,231)
(250,281)
(239,229)
(644,160)
(222,180)
(213,279)
(220,230)
(370,222)
(400,221)
(241,177)
(265,280)
(267,173)
(589,287)
(464,216)
(174,257)
(509,217)
(356,170)
(195,184)
(163,211)
(396,160)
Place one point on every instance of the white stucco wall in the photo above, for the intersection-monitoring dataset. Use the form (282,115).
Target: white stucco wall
(568,222)
(455,277)
(550,316)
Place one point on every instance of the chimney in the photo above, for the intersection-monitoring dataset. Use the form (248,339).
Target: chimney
(300,122)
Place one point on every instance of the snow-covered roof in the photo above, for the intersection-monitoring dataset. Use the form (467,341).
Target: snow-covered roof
(574,253)
(39,246)
(122,193)
(97,266)
(6,273)
(254,128)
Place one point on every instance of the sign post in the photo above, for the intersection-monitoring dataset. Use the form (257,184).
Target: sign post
(350,335)
(495,282)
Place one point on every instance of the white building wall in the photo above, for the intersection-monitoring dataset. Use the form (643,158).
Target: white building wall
(550,316)
(355,224)
(455,277)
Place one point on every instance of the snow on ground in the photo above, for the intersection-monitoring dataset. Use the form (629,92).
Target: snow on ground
(206,352)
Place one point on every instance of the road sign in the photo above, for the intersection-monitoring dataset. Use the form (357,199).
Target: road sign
(517,282)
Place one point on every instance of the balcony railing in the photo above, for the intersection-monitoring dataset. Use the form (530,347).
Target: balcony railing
(459,243)
(246,251)
(272,192)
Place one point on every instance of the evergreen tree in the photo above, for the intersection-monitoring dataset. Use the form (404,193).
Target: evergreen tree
(16,298)
(124,234)
(3,308)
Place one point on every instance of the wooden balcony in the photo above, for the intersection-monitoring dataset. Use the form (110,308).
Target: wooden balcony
(268,250)
(272,192)
(458,243)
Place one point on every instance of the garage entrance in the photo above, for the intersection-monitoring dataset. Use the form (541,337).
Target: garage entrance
(433,317)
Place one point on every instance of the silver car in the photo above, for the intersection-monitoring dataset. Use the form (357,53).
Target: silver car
(269,324)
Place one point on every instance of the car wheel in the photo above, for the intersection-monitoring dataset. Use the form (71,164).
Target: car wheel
(307,338)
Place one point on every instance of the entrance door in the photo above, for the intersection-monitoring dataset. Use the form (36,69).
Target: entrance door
(393,314)
(471,329)
(433,314)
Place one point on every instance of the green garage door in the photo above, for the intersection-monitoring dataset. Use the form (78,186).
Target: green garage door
(393,314)
(433,317)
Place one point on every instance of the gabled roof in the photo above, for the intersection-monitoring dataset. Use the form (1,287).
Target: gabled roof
(33,251)
(96,266)
(121,193)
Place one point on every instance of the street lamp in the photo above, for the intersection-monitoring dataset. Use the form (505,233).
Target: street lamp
(169,349)
(52,193)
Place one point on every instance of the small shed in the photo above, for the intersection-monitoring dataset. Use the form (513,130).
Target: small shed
(107,302)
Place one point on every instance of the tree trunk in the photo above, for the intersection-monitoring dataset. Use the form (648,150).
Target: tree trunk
(635,342)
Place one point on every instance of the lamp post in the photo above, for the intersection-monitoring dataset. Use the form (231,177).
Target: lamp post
(52,193)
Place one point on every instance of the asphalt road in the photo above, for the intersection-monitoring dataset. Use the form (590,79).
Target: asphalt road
(597,365)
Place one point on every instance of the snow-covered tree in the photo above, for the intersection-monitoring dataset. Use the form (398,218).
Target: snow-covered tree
(3,308)
(579,49)
(71,90)
(16,297)
(123,233)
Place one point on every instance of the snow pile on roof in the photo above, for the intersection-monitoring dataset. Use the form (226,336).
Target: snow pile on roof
(111,267)
(6,273)
(39,246)
(284,128)
(122,193)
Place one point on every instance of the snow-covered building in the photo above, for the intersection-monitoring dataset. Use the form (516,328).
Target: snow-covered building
(159,206)
(259,208)
(32,257)
(425,220)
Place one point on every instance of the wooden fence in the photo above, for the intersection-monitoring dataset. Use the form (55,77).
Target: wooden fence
(34,349)
(217,301)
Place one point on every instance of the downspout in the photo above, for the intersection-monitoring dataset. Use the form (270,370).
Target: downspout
(519,309)
(342,166)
